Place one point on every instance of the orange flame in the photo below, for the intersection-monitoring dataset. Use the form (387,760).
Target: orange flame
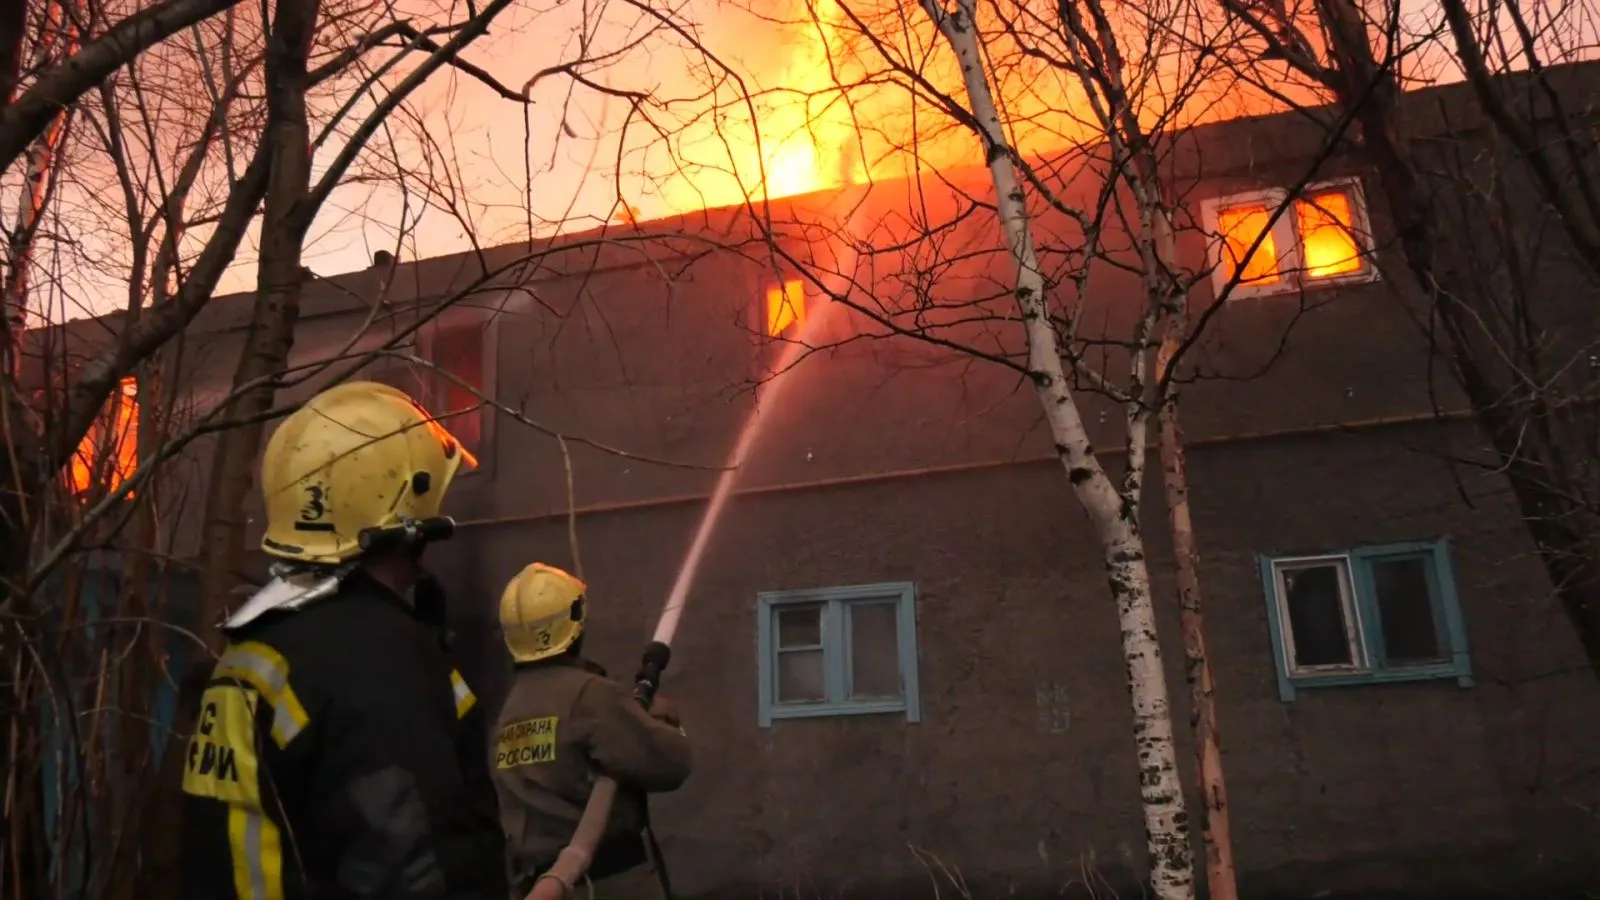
(841,113)
(1326,231)
(786,306)
(109,451)
(807,135)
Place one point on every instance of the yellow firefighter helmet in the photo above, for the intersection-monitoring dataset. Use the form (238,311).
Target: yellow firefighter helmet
(541,613)
(359,455)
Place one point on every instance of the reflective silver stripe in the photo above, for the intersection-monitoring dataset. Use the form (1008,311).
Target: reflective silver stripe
(252,845)
(464,695)
(267,671)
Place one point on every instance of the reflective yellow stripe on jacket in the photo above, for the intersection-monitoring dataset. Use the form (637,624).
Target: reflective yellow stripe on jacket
(223,764)
(464,696)
(257,855)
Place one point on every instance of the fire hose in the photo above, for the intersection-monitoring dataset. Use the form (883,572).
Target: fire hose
(574,859)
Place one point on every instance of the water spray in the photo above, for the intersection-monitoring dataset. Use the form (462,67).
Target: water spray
(573,861)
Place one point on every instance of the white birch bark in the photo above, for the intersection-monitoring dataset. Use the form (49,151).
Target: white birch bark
(31,201)
(1167,310)
(1169,301)
(1113,513)
(1215,822)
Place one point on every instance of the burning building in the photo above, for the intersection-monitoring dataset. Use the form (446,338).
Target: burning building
(899,657)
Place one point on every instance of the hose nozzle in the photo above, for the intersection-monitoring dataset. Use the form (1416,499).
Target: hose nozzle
(654,662)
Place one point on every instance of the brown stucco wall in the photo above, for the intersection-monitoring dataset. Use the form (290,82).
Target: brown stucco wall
(1422,786)
(1411,788)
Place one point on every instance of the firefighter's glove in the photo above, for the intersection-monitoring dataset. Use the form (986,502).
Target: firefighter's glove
(665,710)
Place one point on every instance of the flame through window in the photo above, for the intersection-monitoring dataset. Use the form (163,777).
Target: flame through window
(1240,226)
(1318,238)
(786,306)
(108,454)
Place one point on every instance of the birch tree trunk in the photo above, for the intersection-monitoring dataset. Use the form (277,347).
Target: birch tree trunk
(1168,301)
(1167,296)
(34,193)
(1221,880)
(1098,56)
(1113,514)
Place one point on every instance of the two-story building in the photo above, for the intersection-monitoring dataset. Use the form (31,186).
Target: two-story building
(899,661)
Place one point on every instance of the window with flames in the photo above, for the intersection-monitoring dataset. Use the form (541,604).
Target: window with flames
(108,454)
(459,348)
(1321,237)
(786,308)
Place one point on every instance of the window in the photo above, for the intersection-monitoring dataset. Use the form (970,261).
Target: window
(786,306)
(459,345)
(1370,615)
(1324,238)
(838,651)
(108,455)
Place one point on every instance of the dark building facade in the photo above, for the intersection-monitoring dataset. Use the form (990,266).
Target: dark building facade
(899,659)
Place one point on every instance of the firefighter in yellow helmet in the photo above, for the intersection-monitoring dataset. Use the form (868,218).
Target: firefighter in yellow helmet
(338,753)
(562,723)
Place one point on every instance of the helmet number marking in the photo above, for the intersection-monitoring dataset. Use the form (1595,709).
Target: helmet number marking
(314,510)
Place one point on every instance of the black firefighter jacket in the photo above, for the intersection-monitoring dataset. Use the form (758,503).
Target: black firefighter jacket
(339,754)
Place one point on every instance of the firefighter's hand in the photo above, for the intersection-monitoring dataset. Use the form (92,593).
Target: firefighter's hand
(665,710)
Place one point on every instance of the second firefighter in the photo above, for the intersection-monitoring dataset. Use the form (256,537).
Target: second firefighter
(563,724)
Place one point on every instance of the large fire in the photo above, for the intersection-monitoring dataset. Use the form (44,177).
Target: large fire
(859,96)
(803,136)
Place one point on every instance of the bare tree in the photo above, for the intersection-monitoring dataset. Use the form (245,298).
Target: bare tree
(1492,269)
(58,39)
(1113,508)
(1075,131)
(24,117)
(1079,111)
(193,124)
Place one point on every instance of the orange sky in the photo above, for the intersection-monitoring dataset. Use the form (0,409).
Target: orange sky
(811,136)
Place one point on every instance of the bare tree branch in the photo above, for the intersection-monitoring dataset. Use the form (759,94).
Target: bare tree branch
(29,114)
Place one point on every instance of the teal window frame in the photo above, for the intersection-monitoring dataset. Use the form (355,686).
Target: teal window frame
(836,651)
(1363,619)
